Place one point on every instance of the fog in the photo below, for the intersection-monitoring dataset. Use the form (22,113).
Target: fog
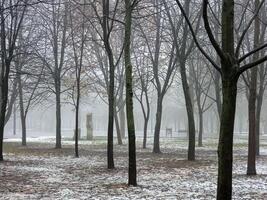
(41,120)
(168,93)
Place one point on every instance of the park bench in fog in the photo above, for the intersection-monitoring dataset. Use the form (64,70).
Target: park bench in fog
(168,132)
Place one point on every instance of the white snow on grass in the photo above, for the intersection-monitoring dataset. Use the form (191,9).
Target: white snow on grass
(166,176)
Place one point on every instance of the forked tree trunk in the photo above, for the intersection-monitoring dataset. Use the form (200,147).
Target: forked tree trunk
(225,146)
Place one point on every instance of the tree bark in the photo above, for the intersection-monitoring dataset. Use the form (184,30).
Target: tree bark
(146,118)
(200,111)
(129,95)
(58,112)
(77,128)
(3,105)
(200,129)
(111,118)
(77,110)
(15,119)
(190,113)
(258,120)
(146,113)
(225,147)
(12,100)
(122,122)
(145,132)
(111,86)
(24,130)
(118,130)
(229,92)
(251,165)
(22,113)
(156,146)
(217,84)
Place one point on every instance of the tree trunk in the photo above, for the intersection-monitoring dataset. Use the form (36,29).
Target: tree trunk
(22,113)
(12,100)
(58,114)
(200,129)
(225,147)
(3,105)
(77,128)
(129,95)
(14,119)
(229,79)
(190,113)
(145,132)
(118,130)
(111,119)
(122,122)
(111,86)
(200,114)
(217,87)
(251,168)
(258,119)
(251,165)
(156,146)
(146,114)
(24,130)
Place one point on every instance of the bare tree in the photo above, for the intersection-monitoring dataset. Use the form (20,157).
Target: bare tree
(202,83)
(183,50)
(129,6)
(11,17)
(163,59)
(232,66)
(251,167)
(51,49)
(78,45)
(143,83)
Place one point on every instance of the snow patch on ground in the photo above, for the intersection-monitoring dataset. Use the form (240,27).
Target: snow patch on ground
(166,176)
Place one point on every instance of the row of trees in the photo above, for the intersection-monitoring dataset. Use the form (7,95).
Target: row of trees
(62,50)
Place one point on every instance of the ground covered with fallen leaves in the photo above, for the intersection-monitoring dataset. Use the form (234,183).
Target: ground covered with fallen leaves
(39,171)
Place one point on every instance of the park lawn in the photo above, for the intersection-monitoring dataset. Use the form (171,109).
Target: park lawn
(39,171)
